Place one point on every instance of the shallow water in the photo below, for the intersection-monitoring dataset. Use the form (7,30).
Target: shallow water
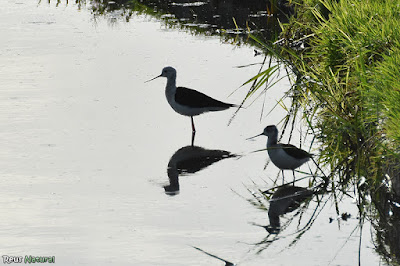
(85,147)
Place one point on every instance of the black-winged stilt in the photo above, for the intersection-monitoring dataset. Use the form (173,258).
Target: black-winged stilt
(284,156)
(186,101)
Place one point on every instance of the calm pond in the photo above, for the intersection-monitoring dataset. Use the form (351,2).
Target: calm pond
(91,156)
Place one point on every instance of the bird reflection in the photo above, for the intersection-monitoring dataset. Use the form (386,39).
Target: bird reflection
(284,200)
(189,160)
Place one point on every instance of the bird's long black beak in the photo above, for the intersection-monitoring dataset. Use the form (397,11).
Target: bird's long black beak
(265,149)
(255,136)
(152,79)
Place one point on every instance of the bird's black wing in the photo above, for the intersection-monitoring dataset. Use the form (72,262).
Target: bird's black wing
(295,152)
(193,98)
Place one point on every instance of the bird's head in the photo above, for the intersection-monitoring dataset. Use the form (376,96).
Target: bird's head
(270,131)
(167,72)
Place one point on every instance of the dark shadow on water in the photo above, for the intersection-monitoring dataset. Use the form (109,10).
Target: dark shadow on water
(232,19)
(189,160)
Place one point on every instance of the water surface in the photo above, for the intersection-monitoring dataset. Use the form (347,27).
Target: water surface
(86,146)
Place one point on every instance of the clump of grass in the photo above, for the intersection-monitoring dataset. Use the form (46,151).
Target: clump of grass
(386,89)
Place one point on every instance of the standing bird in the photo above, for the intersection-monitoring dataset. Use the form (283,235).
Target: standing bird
(284,156)
(186,101)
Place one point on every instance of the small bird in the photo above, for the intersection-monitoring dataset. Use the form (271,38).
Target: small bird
(186,101)
(284,156)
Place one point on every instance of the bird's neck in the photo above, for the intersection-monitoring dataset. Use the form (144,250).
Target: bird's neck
(173,175)
(171,85)
(272,141)
(274,220)
(170,89)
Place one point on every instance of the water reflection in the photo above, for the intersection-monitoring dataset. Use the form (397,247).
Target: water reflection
(387,240)
(285,199)
(227,263)
(189,160)
(229,17)
(212,16)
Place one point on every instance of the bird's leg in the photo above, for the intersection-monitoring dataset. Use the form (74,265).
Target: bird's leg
(193,129)
(283,177)
(193,135)
(294,178)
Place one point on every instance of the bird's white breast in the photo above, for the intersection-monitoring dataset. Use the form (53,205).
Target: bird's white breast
(282,160)
(182,109)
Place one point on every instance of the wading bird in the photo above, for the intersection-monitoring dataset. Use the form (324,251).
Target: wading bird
(283,156)
(186,101)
